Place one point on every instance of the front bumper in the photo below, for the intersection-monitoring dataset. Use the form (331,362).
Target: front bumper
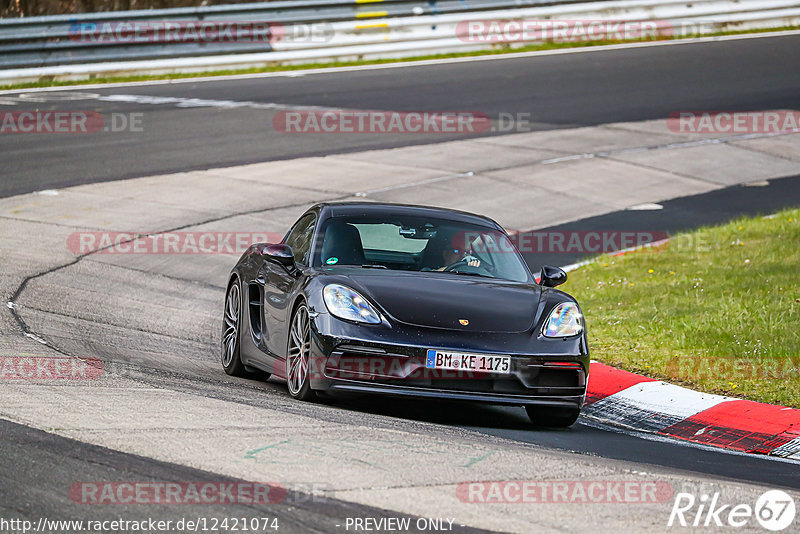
(377,388)
(367,360)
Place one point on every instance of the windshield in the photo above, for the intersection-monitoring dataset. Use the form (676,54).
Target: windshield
(419,244)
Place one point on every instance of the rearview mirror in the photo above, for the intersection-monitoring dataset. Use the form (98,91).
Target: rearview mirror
(428,231)
(553,276)
(279,253)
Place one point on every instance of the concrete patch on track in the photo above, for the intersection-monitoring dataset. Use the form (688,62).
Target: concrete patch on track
(154,319)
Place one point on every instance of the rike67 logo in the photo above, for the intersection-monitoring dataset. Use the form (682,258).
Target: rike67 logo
(774,511)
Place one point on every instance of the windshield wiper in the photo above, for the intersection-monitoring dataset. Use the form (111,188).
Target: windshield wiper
(374,266)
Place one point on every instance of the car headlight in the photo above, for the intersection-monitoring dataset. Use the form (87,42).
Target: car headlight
(345,303)
(565,320)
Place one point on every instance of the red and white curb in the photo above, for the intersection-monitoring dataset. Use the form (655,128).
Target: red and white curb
(633,401)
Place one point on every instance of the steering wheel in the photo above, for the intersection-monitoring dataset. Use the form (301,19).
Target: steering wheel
(463,265)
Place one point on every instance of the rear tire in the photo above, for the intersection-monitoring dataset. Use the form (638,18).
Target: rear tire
(552,416)
(298,356)
(231,334)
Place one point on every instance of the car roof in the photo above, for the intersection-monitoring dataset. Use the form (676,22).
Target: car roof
(337,209)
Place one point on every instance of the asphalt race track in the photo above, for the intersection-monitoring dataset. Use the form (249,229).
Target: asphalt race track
(557,91)
(37,491)
(209,125)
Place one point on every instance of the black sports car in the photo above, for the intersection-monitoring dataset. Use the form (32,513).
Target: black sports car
(406,301)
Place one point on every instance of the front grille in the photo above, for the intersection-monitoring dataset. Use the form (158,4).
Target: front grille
(507,385)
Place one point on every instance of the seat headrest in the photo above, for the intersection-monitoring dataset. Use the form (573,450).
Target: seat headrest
(343,241)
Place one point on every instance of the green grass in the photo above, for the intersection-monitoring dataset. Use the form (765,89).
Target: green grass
(718,309)
(501,49)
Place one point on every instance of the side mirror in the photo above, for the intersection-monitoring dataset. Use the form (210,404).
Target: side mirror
(279,253)
(552,276)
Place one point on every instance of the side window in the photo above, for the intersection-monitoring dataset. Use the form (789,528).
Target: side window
(299,238)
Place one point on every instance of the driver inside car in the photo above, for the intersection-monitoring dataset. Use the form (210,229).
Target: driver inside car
(453,255)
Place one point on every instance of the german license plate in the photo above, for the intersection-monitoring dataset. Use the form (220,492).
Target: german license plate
(459,361)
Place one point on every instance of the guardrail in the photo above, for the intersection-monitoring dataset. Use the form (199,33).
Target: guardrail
(114,43)
(57,40)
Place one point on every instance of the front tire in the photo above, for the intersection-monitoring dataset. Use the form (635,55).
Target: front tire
(231,332)
(554,417)
(298,356)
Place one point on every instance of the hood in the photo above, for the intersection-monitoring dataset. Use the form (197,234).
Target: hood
(438,300)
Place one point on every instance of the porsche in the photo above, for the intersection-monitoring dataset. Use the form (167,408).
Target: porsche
(410,302)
